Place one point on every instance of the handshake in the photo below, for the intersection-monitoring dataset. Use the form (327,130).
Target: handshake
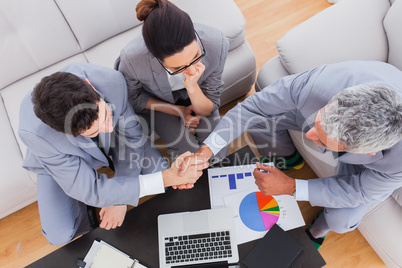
(187,169)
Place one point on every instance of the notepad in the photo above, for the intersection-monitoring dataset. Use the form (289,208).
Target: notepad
(103,255)
(276,249)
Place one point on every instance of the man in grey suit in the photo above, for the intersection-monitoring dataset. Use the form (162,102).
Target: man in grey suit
(353,109)
(75,122)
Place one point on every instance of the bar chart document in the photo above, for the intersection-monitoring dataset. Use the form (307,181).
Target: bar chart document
(254,212)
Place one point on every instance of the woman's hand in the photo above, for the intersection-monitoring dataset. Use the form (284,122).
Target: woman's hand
(191,120)
(192,74)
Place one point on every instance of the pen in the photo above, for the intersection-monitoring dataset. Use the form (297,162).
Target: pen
(264,171)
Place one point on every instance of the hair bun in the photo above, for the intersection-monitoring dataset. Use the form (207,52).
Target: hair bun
(145,7)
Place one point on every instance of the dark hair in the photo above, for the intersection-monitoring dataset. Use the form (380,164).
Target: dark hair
(61,95)
(167,29)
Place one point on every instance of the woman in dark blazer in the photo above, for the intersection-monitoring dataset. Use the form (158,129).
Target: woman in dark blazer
(174,75)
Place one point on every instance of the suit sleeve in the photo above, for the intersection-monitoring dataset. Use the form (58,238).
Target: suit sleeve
(351,190)
(78,179)
(282,96)
(136,94)
(212,86)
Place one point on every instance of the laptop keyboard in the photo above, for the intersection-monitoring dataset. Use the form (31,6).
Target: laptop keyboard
(206,246)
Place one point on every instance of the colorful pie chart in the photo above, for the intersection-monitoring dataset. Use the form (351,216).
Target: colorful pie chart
(259,212)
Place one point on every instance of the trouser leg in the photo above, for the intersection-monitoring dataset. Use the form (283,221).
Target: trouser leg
(172,131)
(339,220)
(62,217)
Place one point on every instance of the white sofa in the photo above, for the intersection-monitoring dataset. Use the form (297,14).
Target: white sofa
(348,30)
(39,37)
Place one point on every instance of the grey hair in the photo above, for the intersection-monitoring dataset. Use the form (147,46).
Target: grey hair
(364,118)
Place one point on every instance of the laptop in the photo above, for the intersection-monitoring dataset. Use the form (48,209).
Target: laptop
(204,238)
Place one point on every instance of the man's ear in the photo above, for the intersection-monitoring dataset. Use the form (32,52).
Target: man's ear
(89,83)
(371,153)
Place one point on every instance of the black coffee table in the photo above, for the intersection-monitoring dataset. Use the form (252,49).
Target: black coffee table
(138,236)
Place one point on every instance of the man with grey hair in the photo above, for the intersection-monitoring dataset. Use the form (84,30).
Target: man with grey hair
(364,118)
(353,109)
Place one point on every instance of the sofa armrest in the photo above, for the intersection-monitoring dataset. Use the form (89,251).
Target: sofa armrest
(391,22)
(271,71)
(348,30)
(381,228)
(223,15)
(397,195)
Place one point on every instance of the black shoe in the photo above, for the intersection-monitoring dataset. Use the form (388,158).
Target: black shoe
(316,241)
(93,221)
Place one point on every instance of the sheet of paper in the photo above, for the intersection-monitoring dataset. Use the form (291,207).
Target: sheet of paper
(255,213)
(229,180)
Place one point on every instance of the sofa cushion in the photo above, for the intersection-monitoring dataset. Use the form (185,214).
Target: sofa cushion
(94,21)
(225,16)
(13,94)
(392,25)
(32,38)
(348,30)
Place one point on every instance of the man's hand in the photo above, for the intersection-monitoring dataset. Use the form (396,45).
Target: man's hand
(204,153)
(191,120)
(195,165)
(275,182)
(112,217)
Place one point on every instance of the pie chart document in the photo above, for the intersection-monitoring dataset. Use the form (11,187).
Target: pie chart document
(255,213)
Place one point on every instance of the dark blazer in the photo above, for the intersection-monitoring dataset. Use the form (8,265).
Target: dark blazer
(146,77)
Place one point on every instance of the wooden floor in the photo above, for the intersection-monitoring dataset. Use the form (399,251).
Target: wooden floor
(21,240)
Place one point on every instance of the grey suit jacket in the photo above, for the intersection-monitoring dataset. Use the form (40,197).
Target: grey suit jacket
(362,178)
(73,161)
(146,77)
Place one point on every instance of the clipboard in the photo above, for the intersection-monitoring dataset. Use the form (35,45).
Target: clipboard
(103,255)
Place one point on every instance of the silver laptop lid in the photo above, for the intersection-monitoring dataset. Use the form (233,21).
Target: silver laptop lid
(199,237)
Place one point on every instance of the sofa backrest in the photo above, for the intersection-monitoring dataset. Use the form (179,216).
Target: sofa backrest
(95,21)
(328,37)
(33,35)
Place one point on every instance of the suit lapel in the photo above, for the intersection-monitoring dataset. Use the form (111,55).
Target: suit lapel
(87,145)
(160,77)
